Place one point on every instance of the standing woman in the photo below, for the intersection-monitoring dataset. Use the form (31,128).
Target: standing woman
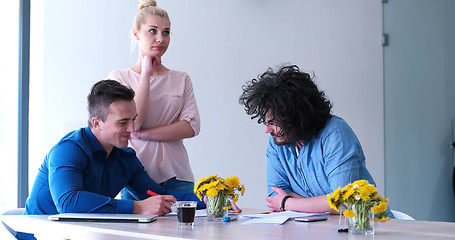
(166,106)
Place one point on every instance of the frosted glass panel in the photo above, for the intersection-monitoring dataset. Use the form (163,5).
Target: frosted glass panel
(9,22)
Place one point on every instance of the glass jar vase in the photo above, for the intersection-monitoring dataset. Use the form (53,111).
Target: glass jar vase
(216,210)
(362,222)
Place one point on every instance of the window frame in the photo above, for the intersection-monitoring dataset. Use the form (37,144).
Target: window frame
(23,102)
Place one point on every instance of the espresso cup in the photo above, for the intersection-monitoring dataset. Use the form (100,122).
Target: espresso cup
(186,210)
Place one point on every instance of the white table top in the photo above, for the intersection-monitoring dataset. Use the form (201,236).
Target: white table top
(168,228)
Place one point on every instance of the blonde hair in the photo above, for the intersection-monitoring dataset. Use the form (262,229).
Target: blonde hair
(146,8)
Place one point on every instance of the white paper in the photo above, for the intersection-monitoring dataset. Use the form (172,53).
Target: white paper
(267,220)
(276,217)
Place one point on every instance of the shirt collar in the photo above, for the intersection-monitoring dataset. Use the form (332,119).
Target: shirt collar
(92,141)
(96,145)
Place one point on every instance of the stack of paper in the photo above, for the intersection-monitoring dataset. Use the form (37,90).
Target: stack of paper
(276,217)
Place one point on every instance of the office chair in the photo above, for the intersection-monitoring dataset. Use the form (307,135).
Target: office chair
(14,211)
(6,232)
(401,215)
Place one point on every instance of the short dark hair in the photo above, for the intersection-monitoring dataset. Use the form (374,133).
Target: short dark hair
(293,100)
(104,93)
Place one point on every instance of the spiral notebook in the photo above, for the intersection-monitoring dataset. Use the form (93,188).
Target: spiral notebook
(103,217)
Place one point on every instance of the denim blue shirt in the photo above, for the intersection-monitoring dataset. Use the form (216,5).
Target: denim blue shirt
(330,160)
(76,176)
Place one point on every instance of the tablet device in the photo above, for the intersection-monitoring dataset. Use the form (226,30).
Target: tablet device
(103,217)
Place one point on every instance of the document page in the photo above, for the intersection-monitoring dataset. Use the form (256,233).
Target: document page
(276,217)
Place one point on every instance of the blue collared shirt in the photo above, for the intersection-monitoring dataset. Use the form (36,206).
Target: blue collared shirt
(330,160)
(76,176)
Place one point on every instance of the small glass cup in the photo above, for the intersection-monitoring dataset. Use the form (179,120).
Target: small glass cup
(186,210)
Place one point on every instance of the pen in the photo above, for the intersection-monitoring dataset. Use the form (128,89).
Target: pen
(230,217)
(152,193)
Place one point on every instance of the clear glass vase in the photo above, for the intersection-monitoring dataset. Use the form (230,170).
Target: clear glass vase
(362,222)
(215,207)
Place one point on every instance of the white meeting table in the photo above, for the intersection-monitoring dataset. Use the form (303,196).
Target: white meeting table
(167,227)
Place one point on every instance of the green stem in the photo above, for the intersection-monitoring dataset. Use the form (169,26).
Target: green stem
(361,220)
(216,204)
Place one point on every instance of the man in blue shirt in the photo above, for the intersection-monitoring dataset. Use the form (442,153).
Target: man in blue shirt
(310,152)
(86,169)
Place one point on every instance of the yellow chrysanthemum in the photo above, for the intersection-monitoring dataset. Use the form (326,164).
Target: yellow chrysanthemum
(332,203)
(198,194)
(364,193)
(202,180)
(213,184)
(214,176)
(198,184)
(242,190)
(383,219)
(212,192)
(346,188)
(381,207)
(347,194)
(349,213)
(203,188)
(233,182)
(236,198)
(220,186)
(360,183)
(229,192)
(336,194)
(371,188)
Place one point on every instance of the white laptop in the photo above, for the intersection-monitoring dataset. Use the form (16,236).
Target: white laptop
(103,217)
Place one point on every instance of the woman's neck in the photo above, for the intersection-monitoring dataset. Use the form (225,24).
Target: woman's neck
(157,70)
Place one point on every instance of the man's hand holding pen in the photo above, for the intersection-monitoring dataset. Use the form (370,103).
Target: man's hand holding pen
(158,204)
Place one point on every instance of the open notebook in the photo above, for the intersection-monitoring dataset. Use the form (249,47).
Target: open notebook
(103,217)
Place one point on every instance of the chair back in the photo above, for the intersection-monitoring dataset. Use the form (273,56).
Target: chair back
(14,211)
(401,215)
(6,232)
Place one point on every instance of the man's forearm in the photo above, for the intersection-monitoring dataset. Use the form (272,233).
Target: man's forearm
(317,204)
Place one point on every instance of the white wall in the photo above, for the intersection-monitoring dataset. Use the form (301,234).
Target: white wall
(223,44)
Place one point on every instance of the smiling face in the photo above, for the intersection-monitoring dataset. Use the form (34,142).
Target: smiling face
(272,127)
(115,130)
(153,36)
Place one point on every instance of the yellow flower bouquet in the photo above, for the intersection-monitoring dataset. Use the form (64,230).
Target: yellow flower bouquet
(362,203)
(220,193)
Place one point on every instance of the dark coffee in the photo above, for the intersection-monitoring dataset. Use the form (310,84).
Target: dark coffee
(186,214)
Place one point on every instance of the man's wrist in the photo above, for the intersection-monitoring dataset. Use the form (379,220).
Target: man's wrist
(283,202)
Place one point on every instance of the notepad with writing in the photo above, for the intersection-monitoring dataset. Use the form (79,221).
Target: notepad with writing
(103,217)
